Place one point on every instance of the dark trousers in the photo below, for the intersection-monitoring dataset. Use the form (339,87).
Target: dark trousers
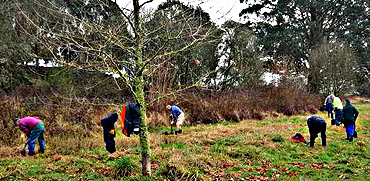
(110,144)
(330,110)
(319,128)
(338,116)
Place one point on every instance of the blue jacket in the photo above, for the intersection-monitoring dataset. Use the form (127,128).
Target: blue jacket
(175,111)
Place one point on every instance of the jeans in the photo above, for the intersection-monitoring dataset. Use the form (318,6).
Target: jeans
(338,116)
(350,129)
(36,134)
(330,110)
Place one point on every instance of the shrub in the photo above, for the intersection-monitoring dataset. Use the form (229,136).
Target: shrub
(205,106)
(10,108)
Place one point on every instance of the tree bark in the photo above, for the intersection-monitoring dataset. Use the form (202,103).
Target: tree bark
(139,92)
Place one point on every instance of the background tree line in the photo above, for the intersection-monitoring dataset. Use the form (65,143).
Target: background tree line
(328,41)
(289,33)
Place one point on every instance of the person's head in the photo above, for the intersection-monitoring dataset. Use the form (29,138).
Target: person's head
(332,96)
(347,99)
(308,117)
(16,121)
(168,107)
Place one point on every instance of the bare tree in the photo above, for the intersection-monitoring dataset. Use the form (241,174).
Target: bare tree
(332,68)
(104,37)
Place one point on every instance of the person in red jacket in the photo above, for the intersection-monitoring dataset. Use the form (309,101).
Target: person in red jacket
(34,128)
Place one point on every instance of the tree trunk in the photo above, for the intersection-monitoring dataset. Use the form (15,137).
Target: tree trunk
(144,140)
(139,92)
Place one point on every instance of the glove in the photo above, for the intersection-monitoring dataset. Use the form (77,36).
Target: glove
(172,122)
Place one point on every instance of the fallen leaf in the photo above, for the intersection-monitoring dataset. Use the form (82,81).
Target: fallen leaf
(317,165)
(57,157)
(299,165)
(78,171)
(292,174)
(155,165)
(285,169)
(227,165)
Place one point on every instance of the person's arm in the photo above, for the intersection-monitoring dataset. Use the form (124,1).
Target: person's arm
(173,114)
(343,115)
(24,128)
(326,99)
(356,113)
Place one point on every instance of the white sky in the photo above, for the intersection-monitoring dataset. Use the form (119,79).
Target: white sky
(219,10)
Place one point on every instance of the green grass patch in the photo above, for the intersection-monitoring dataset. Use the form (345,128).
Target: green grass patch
(34,170)
(175,145)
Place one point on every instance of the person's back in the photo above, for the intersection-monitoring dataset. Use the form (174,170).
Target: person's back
(338,107)
(26,124)
(329,105)
(314,121)
(328,100)
(337,103)
(350,113)
(176,111)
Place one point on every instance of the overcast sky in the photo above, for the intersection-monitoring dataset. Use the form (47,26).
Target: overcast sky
(219,10)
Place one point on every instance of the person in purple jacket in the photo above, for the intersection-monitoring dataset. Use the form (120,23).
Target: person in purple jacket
(34,128)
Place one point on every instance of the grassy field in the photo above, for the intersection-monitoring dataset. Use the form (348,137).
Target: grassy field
(248,150)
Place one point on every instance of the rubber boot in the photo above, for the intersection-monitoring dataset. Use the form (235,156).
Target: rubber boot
(350,138)
(177,132)
(31,153)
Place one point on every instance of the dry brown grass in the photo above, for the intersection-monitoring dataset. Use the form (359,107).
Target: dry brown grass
(204,106)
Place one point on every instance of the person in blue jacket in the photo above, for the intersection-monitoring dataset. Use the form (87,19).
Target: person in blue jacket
(178,117)
(316,125)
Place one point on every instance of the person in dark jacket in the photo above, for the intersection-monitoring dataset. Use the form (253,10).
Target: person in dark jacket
(108,131)
(350,114)
(316,125)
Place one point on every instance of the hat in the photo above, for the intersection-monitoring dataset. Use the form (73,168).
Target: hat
(15,120)
(308,117)
(168,107)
